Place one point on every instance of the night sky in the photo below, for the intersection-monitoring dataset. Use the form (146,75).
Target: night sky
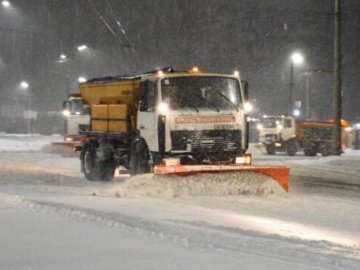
(256,37)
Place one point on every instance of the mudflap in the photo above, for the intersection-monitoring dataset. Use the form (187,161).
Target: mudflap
(280,174)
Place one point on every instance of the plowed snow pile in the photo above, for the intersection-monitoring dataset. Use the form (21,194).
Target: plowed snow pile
(217,184)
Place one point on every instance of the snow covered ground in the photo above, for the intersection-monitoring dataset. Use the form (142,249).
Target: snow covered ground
(51,218)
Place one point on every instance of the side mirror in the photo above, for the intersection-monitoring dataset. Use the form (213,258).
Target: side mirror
(246,91)
(143,106)
(66,105)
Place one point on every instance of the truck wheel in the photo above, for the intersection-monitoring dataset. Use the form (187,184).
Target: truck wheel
(95,169)
(307,152)
(291,148)
(310,152)
(310,149)
(139,157)
(325,149)
(107,169)
(315,150)
(89,164)
(270,149)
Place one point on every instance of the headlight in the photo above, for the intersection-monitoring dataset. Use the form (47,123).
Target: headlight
(66,113)
(244,160)
(163,108)
(248,107)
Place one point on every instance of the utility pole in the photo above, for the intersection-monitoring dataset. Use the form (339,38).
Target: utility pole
(296,58)
(337,97)
(307,97)
(291,89)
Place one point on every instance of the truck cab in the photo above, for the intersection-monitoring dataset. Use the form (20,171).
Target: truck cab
(77,117)
(278,133)
(195,116)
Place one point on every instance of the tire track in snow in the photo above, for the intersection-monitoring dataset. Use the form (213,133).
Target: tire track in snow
(202,236)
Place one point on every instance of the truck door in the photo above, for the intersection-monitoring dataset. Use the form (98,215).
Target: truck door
(146,119)
(288,130)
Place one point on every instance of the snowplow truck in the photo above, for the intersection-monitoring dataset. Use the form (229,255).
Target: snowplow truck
(166,122)
(285,134)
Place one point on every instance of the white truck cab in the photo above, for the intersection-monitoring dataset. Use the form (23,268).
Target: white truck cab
(278,133)
(77,117)
(198,114)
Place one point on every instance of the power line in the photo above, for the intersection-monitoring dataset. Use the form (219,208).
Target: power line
(102,18)
(112,31)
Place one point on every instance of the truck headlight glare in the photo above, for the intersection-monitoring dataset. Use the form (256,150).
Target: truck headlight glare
(244,160)
(248,107)
(66,113)
(163,108)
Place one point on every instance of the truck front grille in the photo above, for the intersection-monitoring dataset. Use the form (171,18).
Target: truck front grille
(271,138)
(208,140)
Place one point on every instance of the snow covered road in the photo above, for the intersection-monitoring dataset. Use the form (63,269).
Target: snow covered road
(50,213)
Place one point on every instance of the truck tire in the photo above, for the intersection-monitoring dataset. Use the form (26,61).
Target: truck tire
(95,169)
(270,149)
(107,169)
(139,157)
(325,149)
(89,163)
(291,148)
(310,149)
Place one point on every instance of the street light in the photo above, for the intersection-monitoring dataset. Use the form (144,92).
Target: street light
(5,3)
(82,48)
(29,114)
(296,59)
(24,85)
(81,79)
(63,57)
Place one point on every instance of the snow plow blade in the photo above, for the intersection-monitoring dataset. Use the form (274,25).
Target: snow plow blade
(67,144)
(279,174)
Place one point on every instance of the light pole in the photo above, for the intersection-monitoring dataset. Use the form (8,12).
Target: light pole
(28,114)
(70,66)
(337,98)
(296,58)
(67,70)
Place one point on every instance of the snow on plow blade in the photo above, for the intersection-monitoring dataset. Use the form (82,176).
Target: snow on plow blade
(279,174)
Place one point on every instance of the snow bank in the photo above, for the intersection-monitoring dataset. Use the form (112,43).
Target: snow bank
(196,185)
(25,142)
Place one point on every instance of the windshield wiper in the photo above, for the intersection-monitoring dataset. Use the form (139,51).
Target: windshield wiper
(227,99)
(212,104)
(194,107)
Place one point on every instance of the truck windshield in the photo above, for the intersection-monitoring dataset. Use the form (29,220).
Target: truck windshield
(271,122)
(78,107)
(201,92)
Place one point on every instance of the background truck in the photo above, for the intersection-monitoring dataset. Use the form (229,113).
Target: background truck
(284,133)
(77,117)
(180,117)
